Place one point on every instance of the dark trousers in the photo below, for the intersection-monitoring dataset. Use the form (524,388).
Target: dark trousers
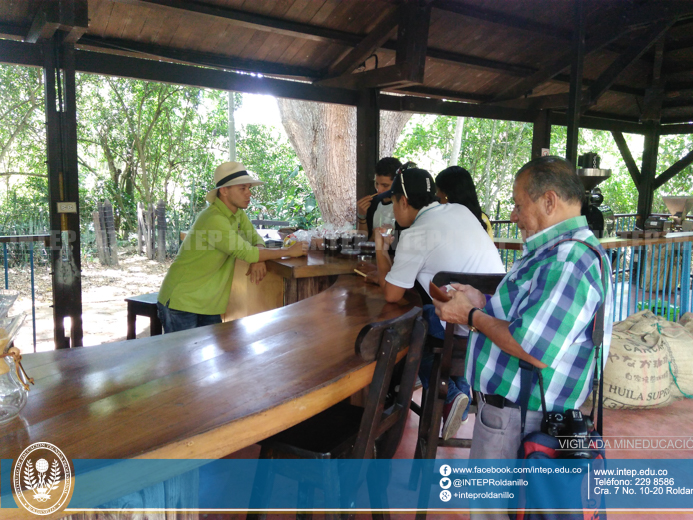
(174,321)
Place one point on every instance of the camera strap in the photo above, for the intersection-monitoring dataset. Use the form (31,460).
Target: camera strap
(527,370)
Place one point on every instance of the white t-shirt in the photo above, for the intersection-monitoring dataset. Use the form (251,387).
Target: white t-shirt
(383,214)
(444,237)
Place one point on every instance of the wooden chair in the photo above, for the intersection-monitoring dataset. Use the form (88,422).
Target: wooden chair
(347,431)
(448,361)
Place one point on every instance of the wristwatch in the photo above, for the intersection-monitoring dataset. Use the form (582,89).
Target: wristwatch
(470,323)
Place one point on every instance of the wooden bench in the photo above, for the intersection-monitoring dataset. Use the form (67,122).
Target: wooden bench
(143,305)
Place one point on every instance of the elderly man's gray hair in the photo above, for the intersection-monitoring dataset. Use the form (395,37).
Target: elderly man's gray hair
(553,173)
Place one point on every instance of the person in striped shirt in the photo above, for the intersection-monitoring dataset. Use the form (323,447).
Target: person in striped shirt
(543,310)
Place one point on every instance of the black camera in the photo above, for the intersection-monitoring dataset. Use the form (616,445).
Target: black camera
(573,429)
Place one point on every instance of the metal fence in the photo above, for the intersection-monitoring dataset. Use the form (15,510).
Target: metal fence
(15,248)
(655,277)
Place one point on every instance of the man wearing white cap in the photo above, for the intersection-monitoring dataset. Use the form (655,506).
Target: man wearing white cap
(196,288)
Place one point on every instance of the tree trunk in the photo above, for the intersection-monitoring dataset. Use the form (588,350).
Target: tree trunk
(391,126)
(487,169)
(456,142)
(324,138)
(232,127)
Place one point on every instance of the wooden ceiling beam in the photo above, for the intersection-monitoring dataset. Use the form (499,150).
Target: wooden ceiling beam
(673,170)
(677,45)
(366,47)
(502,19)
(442,93)
(412,37)
(316,33)
(600,85)
(627,156)
(71,16)
(654,96)
(676,129)
(413,21)
(637,48)
(387,77)
(604,34)
(198,58)
(253,21)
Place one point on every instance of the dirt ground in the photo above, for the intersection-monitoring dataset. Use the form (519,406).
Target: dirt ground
(104,311)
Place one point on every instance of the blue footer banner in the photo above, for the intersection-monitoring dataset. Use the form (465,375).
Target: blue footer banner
(403,485)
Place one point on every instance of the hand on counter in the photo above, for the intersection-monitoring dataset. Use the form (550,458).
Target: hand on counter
(296,250)
(257,272)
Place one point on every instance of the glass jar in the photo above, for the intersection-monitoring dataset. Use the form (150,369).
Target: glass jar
(13,394)
(13,390)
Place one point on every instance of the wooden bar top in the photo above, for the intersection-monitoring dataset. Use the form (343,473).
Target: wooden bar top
(607,243)
(316,263)
(206,392)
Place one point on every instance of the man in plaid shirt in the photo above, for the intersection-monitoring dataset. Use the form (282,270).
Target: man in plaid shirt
(543,310)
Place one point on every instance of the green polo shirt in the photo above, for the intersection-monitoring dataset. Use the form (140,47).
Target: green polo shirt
(201,275)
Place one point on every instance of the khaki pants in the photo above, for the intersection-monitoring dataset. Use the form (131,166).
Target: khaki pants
(497,435)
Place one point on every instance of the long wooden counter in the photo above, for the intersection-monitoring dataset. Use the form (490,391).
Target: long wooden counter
(607,243)
(288,280)
(206,392)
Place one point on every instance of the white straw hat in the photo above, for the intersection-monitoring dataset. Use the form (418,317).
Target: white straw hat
(230,174)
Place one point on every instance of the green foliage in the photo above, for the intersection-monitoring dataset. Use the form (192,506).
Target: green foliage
(491,150)
(286,194)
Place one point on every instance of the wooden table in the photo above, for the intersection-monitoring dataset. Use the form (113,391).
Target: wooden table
(201,393)
(143,305)
(288,280)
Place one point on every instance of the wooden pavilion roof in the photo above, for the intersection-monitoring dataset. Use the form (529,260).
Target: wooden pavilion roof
(638,61)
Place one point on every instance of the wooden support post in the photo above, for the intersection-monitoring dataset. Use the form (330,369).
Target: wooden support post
(161,231)
(575,100)
(98,235)
(140,228)
(541,133)
(647,172)
(63,183)
(109,228)
(367,141)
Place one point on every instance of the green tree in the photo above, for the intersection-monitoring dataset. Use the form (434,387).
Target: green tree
(286,194)
(22,151)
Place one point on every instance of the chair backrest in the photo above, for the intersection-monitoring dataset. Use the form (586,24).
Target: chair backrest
(382,427)
(454,348)
(487,283)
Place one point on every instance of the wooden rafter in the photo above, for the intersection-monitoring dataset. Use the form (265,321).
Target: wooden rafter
(604,34)
(375,39)
(605,80)
(198,58)
(69,16)
(627,156)
(673,170)
(636,49)
(413,20)
(499,18)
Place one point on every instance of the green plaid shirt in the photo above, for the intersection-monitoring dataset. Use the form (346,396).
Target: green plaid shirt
(550,298)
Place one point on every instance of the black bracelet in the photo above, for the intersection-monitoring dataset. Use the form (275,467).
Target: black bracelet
(470,318)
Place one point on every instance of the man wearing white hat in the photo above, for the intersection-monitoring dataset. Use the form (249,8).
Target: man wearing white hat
(196,288)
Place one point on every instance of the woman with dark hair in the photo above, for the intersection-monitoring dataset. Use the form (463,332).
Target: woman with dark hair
(455,185)
(438,237)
